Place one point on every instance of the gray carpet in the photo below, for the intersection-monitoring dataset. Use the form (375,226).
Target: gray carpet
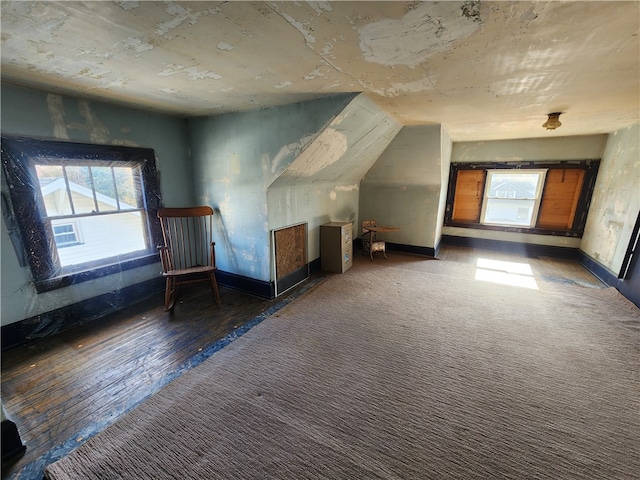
(406,369)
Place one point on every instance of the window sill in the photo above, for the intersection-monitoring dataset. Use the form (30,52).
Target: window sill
(533,231)
(72,278)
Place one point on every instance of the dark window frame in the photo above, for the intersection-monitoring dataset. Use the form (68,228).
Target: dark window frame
(590,168)
(19,155)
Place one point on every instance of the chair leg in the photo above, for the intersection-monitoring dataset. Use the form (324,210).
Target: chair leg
(384,252)
(214,287)
(170,294)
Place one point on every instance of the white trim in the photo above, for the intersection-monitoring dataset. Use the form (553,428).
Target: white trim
(542,172)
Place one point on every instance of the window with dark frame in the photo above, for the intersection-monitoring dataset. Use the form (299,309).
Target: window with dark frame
(549,198)
(82,210)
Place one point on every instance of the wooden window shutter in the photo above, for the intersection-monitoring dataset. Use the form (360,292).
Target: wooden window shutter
(469,191)
(560,198)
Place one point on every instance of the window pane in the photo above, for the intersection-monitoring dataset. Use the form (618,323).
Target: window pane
(105,188)
(102,236)
(81,189)
(60,229)
(53,189)
(512,197)
(513,185)
(509,211)
(126,181)
(105,236)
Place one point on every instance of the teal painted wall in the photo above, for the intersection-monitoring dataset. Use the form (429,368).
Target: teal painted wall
(38,114)
(236,158)
(322,184)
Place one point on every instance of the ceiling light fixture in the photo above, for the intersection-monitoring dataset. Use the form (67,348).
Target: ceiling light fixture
(553,121)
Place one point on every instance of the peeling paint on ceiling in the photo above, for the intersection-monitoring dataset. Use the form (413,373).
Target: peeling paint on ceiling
(426,30)
(484,70)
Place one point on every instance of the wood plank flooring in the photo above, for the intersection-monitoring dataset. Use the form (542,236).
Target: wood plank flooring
(63,389)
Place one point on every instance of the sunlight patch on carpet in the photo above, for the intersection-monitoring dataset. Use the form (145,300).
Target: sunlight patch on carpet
(515,274)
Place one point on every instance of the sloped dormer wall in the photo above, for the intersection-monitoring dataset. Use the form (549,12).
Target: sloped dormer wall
(322,183)
(279,166)
(404,188)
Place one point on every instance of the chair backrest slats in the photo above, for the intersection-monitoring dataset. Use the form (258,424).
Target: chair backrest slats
(187,234)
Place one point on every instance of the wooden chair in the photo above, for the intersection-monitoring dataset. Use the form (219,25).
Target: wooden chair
(369,242)
(188,253)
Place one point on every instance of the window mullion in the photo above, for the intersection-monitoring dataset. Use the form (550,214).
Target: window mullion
(115,188)
(93,190)
(68,189)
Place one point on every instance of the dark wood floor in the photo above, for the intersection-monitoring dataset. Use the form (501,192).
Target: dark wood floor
(63,389)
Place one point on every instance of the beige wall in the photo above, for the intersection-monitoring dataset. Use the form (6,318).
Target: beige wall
(616,201)
(446,147)
(403,187)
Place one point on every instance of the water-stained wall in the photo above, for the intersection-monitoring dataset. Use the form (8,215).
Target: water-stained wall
(403,188)
(236,158)
(322,184)
(37,114)
(616,200)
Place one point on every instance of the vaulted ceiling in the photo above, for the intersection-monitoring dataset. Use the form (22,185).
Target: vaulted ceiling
(484,70)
